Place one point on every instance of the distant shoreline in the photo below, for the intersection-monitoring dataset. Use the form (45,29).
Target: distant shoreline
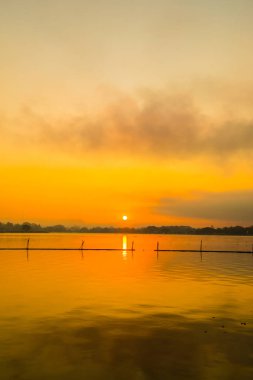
(27,227)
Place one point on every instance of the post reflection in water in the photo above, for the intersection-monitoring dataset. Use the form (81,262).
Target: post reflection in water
(124,246)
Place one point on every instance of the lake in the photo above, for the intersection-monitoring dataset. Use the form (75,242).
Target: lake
(126,315)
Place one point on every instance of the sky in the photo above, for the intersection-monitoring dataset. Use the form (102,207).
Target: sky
(137,108)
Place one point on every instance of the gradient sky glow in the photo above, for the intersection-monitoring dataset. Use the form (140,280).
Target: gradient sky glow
(141,108)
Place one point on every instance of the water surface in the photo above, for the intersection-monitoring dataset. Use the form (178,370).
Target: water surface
(122,314)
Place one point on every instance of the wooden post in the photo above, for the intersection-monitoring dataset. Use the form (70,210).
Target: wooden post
(201,246)
(82,248)
(27,244)
(157,250)
(132,246)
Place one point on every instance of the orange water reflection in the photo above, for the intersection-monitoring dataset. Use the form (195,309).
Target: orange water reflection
(136,299)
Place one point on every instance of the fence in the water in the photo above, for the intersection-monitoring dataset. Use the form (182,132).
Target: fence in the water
(132,249)
(81,248)
(202,250)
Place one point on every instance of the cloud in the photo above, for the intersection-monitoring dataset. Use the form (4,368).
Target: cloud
(154,123)
(236,206)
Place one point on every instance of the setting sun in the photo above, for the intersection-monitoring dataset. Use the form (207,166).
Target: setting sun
(124,217)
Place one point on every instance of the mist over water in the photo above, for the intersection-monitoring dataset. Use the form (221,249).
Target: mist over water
(122,314)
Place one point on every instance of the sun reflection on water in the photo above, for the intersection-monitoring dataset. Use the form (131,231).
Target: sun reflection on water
(124,246)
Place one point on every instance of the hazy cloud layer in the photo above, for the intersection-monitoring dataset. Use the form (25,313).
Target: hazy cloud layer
(155,123)
(236,206)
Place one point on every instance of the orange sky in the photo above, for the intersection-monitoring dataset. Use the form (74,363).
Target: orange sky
(143,109)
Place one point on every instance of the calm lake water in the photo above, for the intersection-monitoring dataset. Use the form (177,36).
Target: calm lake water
(121,315)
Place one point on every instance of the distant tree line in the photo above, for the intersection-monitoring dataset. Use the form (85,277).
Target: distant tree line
(183,230)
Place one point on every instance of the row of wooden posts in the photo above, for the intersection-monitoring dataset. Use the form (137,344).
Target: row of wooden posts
(81,248)
(202,250)
(132,249)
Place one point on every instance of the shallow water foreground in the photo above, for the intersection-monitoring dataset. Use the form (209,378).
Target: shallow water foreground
(125,315)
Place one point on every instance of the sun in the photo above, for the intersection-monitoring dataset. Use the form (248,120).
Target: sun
(124,217)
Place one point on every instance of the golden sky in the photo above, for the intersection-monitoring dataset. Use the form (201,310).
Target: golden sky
(141,108)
